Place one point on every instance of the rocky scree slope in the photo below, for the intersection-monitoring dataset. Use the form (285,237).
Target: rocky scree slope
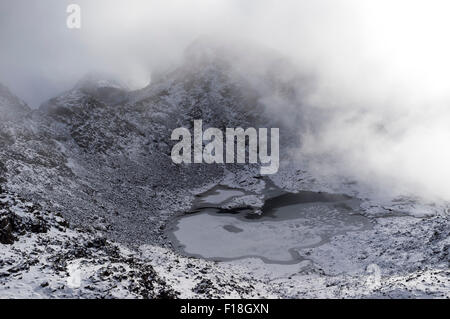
(42,257)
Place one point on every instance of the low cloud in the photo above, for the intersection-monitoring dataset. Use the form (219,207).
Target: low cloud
(381,68)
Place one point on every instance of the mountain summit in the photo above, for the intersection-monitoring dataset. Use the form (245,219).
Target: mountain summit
(11,107)
(91,88)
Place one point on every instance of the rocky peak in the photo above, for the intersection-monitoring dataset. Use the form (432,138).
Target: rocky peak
(11,107)
(94,81)
(90,91)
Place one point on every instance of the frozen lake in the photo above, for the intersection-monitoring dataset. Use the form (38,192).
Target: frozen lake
(289,221)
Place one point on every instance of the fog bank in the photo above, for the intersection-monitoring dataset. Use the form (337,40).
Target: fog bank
(381,68)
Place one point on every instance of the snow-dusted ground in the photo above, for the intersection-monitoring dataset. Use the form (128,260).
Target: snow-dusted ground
(41,257)
(401,256)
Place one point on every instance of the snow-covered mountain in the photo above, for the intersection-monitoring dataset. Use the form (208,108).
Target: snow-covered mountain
(87,157)
(98,158)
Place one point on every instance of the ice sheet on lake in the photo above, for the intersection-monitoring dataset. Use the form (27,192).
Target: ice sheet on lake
(273,238)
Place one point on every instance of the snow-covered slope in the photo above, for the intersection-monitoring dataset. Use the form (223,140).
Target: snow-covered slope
(103,90)
(43,258)
(11,107)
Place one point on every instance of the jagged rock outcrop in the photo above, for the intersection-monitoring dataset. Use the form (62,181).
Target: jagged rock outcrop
(93,89)
(11,107)
(42,257)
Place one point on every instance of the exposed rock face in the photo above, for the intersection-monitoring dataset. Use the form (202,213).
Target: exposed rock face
(18,218)
(11,107)
(38,247)
(91,89)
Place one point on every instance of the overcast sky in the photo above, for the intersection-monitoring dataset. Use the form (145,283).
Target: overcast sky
(344,39)
(40,56)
